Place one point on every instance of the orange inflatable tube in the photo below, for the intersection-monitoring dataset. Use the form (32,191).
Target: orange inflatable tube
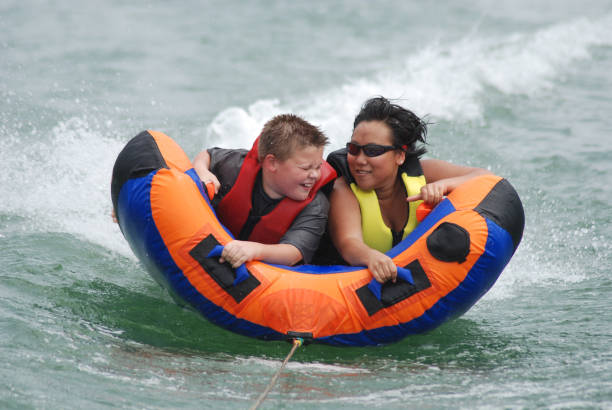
(453,257)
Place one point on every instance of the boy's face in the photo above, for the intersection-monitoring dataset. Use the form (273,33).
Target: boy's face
(294,177)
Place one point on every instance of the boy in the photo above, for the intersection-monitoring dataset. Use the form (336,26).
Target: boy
(270,196)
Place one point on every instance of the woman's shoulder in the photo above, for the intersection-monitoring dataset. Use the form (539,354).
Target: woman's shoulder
(342,196)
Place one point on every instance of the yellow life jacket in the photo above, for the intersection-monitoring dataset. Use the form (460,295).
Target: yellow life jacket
(375,233)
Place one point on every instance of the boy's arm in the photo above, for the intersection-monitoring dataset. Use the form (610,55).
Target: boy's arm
(201,165)
(307,228)
(238,252)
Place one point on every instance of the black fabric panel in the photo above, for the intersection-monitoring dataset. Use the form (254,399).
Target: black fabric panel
(222,273)
(305,336)
(393,293)
(449,242)
(337,159)
(368,300)
(421,281)
(503,206)
(138,158)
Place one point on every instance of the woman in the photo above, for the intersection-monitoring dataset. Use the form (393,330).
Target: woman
(374,206)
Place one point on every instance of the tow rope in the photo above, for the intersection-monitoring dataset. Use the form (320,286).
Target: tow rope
(297,342)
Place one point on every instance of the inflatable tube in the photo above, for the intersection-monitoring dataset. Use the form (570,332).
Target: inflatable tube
(452,258)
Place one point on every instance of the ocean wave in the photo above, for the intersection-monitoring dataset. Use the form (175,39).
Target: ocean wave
(61,183)
(447,82)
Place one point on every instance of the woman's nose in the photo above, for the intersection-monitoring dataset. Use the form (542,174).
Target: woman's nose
(361,157)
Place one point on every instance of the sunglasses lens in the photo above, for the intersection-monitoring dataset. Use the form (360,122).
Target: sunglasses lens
(370,150)
(373,150)
(353,149)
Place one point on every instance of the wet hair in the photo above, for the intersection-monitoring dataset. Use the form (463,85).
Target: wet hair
(406,127)
(285,133)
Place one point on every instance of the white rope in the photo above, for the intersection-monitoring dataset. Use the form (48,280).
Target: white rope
(296,343)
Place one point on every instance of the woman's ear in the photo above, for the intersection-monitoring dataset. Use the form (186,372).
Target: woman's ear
(400,157)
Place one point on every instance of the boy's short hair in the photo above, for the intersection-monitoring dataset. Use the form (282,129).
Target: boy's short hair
(285,133)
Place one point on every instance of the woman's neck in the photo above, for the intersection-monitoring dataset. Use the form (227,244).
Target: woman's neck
(390,191)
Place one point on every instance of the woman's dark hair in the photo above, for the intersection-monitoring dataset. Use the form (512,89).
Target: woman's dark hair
(407,128)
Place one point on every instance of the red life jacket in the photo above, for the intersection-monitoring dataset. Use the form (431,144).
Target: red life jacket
(235,207)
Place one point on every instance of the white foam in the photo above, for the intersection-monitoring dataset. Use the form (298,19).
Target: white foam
(62,183)
(445,81)
(533,264)
(235,127)
(294,365)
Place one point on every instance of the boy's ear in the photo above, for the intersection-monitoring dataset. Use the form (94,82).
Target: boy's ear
(269,163)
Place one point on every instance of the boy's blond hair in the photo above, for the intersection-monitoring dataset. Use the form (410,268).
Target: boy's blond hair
(285,133)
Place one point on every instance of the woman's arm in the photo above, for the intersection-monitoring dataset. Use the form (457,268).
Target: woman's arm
(345,230)
(442,178)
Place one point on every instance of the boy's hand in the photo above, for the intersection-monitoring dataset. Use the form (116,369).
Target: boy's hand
(238,252)
(208,177)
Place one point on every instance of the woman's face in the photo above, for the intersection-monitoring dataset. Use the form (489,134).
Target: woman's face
(374,172)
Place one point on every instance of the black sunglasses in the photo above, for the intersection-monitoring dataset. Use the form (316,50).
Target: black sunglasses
(370,150)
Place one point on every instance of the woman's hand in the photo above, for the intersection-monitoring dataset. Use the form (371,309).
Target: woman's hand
(432,193)
(442,178)
(382,267)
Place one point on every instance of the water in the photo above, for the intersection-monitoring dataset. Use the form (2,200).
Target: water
(522,88)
